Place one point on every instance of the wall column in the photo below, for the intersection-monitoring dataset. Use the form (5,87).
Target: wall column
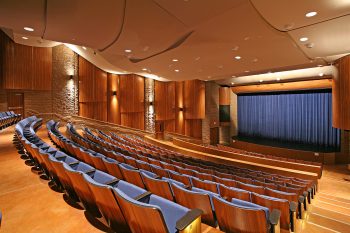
(149,105)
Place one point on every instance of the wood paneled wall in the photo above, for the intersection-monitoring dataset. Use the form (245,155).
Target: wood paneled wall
(341,95)
(92,91)
(113,107)
(131,99)
(181,106)
(24,67)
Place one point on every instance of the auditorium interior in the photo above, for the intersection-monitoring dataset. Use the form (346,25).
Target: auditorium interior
(164,116)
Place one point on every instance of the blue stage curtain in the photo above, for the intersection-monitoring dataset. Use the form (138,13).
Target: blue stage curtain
(302,117)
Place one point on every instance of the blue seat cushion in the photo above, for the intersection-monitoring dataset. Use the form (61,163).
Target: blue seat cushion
(129,189)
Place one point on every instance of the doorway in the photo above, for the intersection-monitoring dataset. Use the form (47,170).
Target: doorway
(15,102)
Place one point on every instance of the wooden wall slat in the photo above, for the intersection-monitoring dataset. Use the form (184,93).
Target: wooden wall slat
(86,81)
(179,103)
(341,96)
(42,68)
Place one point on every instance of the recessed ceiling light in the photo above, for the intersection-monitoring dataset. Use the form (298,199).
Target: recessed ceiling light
(278,79)
(144,69)
(29,29)
(84,47)
(175,59)
(177,70)
(233,76)
(303,39)
(319,65)
(127,50)
(24,38)
(232,83)
(237,57)
(247,71)
(311,14)
(320,74)
(261,80)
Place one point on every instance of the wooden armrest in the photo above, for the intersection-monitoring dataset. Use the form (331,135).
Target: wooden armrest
(188,218)
(293,206)
(142,196)
(274,217)
(293,215)
(112,182)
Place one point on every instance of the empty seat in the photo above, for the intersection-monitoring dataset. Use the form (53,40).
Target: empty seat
(206,185)
(288,209)
(194,199)
(251,188)
(107,203)
(112,167)
(156,214)
(159,187)
(230,192)
(241,216)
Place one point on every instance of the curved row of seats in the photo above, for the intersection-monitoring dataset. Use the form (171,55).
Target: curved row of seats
(8,118)
(195,193)
(168,188)
(123,205)
(210,171)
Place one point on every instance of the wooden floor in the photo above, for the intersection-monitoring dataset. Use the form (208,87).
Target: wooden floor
(29,204)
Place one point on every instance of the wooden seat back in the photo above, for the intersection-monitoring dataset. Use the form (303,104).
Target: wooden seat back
(159,187)
(228,193)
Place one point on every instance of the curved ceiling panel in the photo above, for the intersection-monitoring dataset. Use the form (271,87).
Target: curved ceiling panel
(148,29)
(17,14)
(84,22)
(325,39)
(210,52)
(195,12)
(290,14)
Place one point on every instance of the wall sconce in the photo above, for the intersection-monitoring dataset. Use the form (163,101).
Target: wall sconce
(71,77)
(151,103)
(114,93)
(181,109)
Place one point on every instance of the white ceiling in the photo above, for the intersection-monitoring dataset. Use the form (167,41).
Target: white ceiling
(204,35)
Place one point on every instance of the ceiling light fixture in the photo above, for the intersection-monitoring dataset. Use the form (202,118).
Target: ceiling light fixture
(261,80)
(144,69)
(237,57)
(177,70)
(311,14)
(278,79)
(175,59)
(84,47)
(29,29)
(247,71)
(127,50)
(303,39)
(232,83)
(24,38)
(233,76)
(320,74)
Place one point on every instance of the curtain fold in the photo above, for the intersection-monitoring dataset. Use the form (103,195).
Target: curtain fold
(301,117)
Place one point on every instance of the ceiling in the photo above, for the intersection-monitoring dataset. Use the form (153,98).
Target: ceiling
(187,39)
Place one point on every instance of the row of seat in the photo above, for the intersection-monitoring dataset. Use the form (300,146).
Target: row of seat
(145,178)
(122,204)
(285,184)
(8,118)
(196,193)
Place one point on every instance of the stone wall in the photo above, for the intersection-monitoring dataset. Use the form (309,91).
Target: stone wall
(211,109)
(150,120)
(64,90)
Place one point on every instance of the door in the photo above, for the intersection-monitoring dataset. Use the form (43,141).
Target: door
(214,136)
(15,102)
